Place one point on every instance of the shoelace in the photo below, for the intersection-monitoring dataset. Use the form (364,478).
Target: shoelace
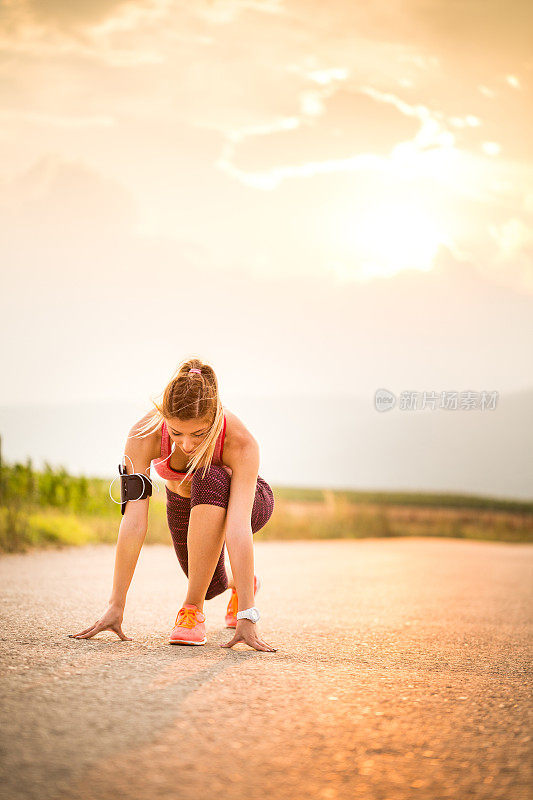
(188,618)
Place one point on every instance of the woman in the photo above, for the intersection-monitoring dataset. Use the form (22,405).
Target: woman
(213,498)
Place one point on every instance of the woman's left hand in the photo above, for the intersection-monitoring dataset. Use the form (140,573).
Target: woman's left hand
(246,631)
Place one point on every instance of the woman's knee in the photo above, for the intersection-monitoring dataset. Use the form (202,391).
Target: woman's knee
(213,488)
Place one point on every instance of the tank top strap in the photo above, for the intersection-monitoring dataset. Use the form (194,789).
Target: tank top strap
(219,447)
(165,440)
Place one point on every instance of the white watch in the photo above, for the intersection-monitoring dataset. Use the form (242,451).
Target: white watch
(249,613)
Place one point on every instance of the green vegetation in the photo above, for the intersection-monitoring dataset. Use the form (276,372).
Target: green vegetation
(417,499)
(336,516)
(48,507)
(52,508)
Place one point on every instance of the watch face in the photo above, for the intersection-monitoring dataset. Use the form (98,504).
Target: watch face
(250,613)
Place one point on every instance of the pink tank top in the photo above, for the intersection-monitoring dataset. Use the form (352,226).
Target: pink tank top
(168,473)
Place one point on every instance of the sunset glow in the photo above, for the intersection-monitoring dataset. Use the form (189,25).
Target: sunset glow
(185,172)
(388,238)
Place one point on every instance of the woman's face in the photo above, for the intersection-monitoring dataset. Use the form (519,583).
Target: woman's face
(188,434)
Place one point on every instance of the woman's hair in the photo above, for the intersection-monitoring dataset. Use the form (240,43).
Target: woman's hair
(190,396)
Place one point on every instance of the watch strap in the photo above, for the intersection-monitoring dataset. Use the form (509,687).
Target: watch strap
(244,614)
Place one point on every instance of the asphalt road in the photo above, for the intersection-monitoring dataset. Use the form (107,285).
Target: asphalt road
(403,670)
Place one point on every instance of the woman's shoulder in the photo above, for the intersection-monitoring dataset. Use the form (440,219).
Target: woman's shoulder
(237,434)
(146,434)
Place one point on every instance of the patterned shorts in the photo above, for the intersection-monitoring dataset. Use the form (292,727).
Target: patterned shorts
(214,490)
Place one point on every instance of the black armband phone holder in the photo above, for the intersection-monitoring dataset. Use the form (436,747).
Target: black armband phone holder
(133,487)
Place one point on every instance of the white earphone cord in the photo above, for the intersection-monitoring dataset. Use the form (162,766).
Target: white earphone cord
(119,502)
(141,475)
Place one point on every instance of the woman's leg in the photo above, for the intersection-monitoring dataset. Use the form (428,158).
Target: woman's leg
(231,582)
(197,528)
(204,519)
(205,542)
(178,513)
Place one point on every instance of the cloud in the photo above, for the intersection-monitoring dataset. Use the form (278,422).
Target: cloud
(272,178)
(62,200)
(353,130)
(108,31)
(190,108)
(223,12)
(514,257)
(478,31)
(59,120)
(67,14)
(513,236)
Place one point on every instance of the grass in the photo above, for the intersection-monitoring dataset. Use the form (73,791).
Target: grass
(337,516)
(329,515)
(51,508)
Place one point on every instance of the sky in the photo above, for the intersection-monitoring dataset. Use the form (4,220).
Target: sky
(320,198)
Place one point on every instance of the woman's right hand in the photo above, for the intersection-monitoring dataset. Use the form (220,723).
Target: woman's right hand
(110,621)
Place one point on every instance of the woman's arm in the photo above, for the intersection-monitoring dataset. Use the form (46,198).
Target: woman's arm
(131,535)
(129,543)
(139,453)
(243,459)
(239,539)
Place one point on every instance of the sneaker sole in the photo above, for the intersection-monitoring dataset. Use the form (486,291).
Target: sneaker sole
(178,641)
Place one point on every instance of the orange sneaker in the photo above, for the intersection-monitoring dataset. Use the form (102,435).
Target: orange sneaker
(233,605)
(189,627)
